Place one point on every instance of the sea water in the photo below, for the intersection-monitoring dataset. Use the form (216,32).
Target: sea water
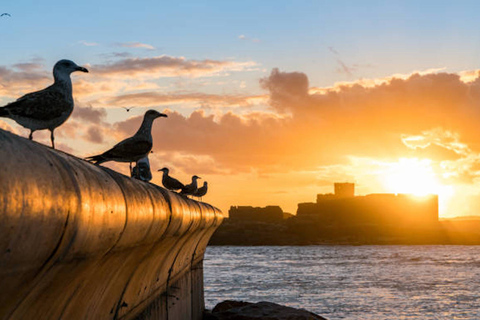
(350,282)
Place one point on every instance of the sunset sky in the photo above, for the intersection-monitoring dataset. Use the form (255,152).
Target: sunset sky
(269,101)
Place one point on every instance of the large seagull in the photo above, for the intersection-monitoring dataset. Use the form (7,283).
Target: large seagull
(134,148)
(47,108)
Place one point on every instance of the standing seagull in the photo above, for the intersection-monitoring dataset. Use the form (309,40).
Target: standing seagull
(169,182)
(191,188)
(134,148)
(201,191)
(47,108)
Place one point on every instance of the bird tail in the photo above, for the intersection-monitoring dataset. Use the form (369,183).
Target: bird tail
(96,159)
(3,112)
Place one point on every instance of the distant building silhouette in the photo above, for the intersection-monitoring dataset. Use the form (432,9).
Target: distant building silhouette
(266,214)
(344,190)
(345,209)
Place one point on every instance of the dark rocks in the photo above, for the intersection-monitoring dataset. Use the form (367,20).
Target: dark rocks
(239,310)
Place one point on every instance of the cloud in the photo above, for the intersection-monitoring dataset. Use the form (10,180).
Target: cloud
(245,38)
(166,66)
(429,115)
(21,77)
(135,45)
(88,44)
(343,67)
(154,98)
(94,135)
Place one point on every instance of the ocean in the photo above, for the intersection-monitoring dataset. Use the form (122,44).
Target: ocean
(350,282)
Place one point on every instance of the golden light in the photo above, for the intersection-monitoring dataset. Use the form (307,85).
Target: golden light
(416,177)
(412,176)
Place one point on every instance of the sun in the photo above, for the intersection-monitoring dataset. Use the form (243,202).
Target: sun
(412,176)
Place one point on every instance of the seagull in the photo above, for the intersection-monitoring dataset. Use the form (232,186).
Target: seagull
(191,188)
(47,108)
(169,182)
(201,191)
(134,148)
(142,170)
(5,14)
(128,109)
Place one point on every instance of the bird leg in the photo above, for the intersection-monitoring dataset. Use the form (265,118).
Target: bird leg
(130,169)
(52,139)
(30,137)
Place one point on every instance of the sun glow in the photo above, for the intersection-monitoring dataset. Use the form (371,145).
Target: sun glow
(412,176)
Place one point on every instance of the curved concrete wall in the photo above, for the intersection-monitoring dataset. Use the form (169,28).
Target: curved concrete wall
(79,241)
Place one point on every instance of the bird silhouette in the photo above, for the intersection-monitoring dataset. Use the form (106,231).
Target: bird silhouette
(134,148)
(128,109)
(201,191)
(191,188)
(47,108)
(169,182)
(5,14)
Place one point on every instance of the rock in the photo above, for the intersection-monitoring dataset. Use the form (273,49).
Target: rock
(239,310)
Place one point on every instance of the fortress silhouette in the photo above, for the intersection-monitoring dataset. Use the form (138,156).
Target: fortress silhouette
(343,208)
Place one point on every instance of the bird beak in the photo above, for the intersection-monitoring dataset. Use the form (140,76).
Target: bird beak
(81,69)
(163,115)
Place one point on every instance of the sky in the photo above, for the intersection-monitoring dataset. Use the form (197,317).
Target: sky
(271,102)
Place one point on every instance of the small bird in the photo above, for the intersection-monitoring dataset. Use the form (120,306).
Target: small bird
(191,188)
(5,14)
(201,191)
(142,170)
(134,148)
(47,108)
(169,182)
(128,109)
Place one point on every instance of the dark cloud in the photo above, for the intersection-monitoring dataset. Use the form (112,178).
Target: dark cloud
(89,114)
(94,134)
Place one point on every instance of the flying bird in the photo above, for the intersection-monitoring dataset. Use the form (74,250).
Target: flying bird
(201,191)
(134,148)
(142,170)
(191,188)
(169,182)
(128,109)
(5,14)
(47,108)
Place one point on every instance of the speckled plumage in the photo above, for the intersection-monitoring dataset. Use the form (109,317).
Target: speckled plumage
(47,108)
(134,148)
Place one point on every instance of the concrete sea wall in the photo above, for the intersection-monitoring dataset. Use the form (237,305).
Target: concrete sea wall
(79,241)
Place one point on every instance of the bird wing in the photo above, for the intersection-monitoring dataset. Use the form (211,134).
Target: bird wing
(175,183)
(41,105)
(128,149)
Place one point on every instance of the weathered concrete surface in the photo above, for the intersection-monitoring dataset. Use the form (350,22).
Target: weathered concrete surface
(78,241)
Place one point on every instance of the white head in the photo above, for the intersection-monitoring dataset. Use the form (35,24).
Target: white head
(64,68)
